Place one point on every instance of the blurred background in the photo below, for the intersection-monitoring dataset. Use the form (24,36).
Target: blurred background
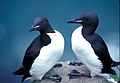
(16,17)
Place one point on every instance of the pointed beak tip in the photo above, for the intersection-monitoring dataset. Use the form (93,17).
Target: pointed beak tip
(30,30)
(34,28)
(70,22)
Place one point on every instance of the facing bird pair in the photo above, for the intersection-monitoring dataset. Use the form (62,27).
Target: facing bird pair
(46,49)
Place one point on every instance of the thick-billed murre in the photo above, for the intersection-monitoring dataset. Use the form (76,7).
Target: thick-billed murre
(90,48)
(43,53)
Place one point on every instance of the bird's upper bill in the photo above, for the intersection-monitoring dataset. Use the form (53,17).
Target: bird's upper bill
(75,21)
(33,28)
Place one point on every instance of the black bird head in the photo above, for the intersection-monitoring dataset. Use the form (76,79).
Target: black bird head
(42,25)
(86,19)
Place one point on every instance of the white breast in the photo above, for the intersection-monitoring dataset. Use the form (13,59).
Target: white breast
(49,56)
(84,52)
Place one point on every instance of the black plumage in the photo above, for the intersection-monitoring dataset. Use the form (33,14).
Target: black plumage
(42,25)
(90,21)
(101,51)
(31,53)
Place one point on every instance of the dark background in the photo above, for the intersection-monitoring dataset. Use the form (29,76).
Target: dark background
(16,18)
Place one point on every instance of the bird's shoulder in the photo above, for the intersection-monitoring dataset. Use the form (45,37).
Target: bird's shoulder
(100,48)
(34,46)
(96,41)
(38,43)
(98,45)
(32,52)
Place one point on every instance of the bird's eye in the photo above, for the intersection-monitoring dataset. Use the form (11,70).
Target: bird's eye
(85,19)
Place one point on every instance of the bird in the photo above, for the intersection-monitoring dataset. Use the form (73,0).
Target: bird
(44,51)
(90,48)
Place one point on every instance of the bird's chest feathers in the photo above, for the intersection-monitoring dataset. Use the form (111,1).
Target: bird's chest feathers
(52,52)
(84,52)
(81,46)
(48,55)
(79,43)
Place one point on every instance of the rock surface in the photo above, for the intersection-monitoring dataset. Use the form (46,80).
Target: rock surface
(70,72)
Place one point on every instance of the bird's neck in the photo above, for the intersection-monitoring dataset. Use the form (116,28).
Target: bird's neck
(50,30)
(45,39)
(87,30)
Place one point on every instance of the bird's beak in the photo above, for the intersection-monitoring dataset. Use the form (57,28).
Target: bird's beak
(34,28)
(75,21)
